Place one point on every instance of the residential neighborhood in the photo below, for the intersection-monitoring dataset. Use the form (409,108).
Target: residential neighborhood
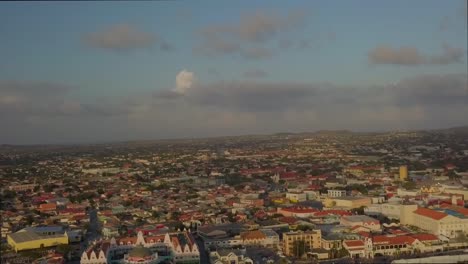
(284,198)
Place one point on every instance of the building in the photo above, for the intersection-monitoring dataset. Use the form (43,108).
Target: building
(336,193)
(356,248)
(141,255)
(312,240)
(22,187)
(446,222)
(179,247)
(347,202)
(35,238)
(296,211)
(296,197)
(265,238)
(403,173)
(362,221)
(391,210)
(230,256)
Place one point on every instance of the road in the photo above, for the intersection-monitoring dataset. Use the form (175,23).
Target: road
(204,257)
(92,233)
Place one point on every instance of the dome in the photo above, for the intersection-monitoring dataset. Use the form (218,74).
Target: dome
(140,252)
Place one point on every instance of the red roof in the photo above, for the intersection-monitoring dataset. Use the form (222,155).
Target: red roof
(299,209)
(364,234)
(354,243)
(398,232)
(288,220)
(393,240)
(430,213)
(287,175)
(425,237)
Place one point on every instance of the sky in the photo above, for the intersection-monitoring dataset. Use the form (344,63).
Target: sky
(87,72)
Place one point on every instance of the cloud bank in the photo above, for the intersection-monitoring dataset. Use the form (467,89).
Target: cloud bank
(411,56)
(49,112)
(124,37)
(250,36)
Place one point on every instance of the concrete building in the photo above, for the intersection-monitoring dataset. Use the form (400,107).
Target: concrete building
(391,210)
(296,197)
(265,238)
(403,173)
(336,193)
(177,248)
(312,239)
(361,220)
(347,202)
(230,256)
(35,238)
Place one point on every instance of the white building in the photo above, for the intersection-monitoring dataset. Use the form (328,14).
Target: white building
(336,193)
(178,247)
(296,196)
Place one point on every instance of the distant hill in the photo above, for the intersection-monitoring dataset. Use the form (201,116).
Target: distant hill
(461,130)
(333,132)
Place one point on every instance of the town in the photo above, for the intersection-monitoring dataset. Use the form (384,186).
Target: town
(324,197)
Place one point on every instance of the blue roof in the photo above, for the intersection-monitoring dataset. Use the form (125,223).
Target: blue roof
(454,213)
(42,229)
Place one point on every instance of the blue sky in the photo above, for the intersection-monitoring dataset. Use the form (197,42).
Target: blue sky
(349,45)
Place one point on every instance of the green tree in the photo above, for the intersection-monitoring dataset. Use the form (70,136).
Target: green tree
(299,248)
(409,185)
(63,249)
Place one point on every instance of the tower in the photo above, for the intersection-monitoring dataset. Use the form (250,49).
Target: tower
(403,173)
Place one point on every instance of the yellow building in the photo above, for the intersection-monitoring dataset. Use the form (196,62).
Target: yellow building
(403,173)
(312,239)
(29,238)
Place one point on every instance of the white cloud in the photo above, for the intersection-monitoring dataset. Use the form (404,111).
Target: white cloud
(184,81)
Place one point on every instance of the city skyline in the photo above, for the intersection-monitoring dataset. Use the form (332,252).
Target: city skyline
(115,71)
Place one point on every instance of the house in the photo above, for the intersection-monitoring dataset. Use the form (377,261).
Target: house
(264,237)
(362,221)
(230,256)
(356,248)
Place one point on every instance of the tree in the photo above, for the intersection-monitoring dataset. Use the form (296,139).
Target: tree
(409,185)
(299,248)
(359,210)
(175,215)
(123,230)
(155,214)
(343,252)
(63,249)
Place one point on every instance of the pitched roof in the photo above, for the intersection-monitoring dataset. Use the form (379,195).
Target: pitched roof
(354,243)
(257,234)
(393,240)
(425,237)
(430,213)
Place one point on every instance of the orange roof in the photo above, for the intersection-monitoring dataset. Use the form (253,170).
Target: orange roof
(430,213)
(354,243)
(257,234)
(48,206)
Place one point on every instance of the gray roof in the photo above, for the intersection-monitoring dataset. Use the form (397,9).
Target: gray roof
(359,218)
(28,235)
